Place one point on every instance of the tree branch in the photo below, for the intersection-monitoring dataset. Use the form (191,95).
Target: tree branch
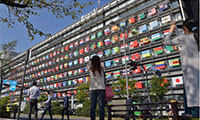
(13,4)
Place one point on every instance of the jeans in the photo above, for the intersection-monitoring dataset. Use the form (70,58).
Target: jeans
(65,109)
(47,107)
(100,94)
(33,103)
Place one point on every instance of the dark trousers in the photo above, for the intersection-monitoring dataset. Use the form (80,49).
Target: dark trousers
(47,107)
(65,110)
(100,94)
(146,113)
(130,113)
(32,104)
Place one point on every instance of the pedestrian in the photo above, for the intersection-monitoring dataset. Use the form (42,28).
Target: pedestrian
(189,50)
(48,105)
(97,87)
(65,107)
(169,111)
(147,109)
(33,93)
(129,108)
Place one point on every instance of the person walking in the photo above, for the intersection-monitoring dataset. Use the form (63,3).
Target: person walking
(189,50)
(33,93)
(97,87)
(147,108)
(130,108)
(48,105)
(65,106)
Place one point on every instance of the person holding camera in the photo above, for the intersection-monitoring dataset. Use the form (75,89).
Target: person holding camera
(97,87)
(189,49)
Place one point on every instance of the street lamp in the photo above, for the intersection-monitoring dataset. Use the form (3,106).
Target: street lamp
(123,30)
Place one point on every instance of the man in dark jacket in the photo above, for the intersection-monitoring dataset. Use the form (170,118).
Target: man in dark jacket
(130,108)
(147,109)
(65,106)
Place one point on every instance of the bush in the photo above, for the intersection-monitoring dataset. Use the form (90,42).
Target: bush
(56,108)
(3,113)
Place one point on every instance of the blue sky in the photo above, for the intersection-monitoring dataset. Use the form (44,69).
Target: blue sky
(45,22)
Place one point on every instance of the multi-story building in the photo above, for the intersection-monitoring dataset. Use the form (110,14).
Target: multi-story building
(59,62)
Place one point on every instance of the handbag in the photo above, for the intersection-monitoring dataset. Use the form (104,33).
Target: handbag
(109,91)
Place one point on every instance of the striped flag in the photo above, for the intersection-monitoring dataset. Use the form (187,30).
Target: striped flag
(158,50)
(81,42)
(152,12)
(87,39)
(124,72)
(75,72)
(141,16)
(170,49)
(100,54)
(69,82)
(86,79)
(147,66)
(123,23)
(116,74)
(174,62)
(115,50)
(70,63)
(123,59)
(107,31)
(166,32)
(155,37)
(143,28)
(100,44)
(71,46)
(75,62)
(76,44)
(66,48)
(75,81)
(107,42)
(93,37)
(60,75)
(177,81)
(64,83)
(66,56)
(76,53)
(114,28)
(81,70)
(65,74)
(160,65)
(93,46)
(80,80)
(65,65)
(81,51)
(153,24)
(144,41)
(81,60)
(123,36)
(131,20)
(70,73)
(146,53)
(123,46)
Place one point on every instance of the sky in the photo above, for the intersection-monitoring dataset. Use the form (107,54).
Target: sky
(45,22)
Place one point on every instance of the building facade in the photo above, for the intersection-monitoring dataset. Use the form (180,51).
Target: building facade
(59,62)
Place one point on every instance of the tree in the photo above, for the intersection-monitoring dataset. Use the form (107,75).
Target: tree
(4,58)
(83,92)
(21,10)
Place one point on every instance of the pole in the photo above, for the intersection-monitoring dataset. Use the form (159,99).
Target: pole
(147,87)
(1,82)
(22,83)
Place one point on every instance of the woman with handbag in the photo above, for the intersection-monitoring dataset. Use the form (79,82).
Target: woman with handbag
(97,87)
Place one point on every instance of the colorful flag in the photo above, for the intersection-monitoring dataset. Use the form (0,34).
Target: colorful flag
(69,82)
(71,46)
(75,82)
(166,19)
(155,37)
(100,44)
(69,73)
(65,65)
(81,60)
(116,74)
(143,28)
(147,66)
(114,28)
(86,79)
(76,53)
(66,48)
(60,75)
(75,62)
(108,63)
(107,31)
(108,75)
(107,42)
(163,7)
(138,85)
(125,58)
(76,44)
(115,39)
(64,83)
(134,44)
(123,36)
(124,72)
(177,81)
(115,61)
(160,65)
(144,41)
(93,46)
(123,46)
(65,74)
(81,42)
(100,54)
(158,50)
(81,51)
(87,49)
(61,66)
(141,16)
(170,49)
(80,80)
(81,70)
(135,56)
(146,53)
(66,56)
(137,71)
(99,34)
(152,12)
(153,24)
(174,62)
(134,31)
(70,63)
(131,20)
(115,50)
(93,37)
(87,39)
(70,54)
(87,58)
(123,23)
(107,52)
(166,32)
